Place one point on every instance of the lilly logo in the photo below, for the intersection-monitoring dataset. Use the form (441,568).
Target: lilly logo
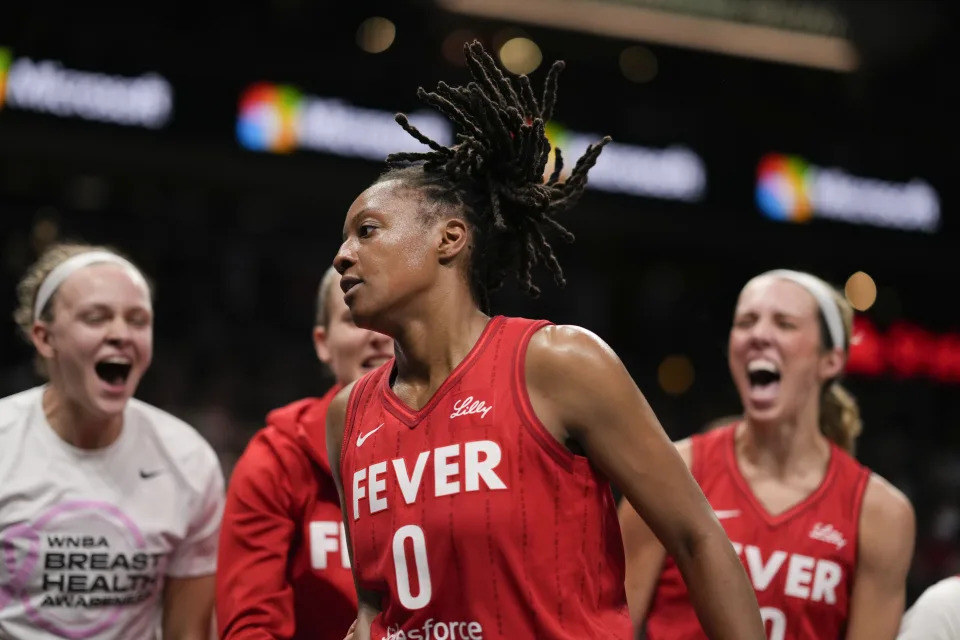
(784,187)
(269,117)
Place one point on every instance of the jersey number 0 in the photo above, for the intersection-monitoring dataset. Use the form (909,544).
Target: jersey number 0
(776,619)
(415,534)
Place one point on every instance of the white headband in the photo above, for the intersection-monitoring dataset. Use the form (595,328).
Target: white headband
(64,270)
(825,300)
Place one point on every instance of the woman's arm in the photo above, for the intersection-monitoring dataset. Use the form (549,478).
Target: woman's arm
(368,601)
(187,608)
(643,552)
(189,592)
(887,530)
(580,389)
(254,597)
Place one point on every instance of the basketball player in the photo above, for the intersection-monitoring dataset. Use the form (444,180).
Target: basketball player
(826,543)
(936,613)
(283,570)
(474,466)
(109,508)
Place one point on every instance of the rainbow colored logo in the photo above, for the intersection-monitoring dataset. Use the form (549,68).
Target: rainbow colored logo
(268,118)
(558,136)
(6,57)
(784,187)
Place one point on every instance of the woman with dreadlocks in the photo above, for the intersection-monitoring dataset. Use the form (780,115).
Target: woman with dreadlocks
(473,468)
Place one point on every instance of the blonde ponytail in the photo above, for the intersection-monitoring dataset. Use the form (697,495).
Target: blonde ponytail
(839,412)
(840,416)
(330,279)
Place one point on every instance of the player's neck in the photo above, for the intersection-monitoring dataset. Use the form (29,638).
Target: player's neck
(75,425)
(431,343)
(786,447)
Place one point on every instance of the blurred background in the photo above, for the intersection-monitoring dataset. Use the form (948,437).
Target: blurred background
(220,145)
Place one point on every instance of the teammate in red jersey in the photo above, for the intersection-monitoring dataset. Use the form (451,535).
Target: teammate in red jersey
(826,543)
(474,467)
(283,570)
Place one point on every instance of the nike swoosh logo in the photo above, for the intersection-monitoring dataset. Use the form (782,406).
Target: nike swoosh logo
(361,438)
(723,514)
(146,475)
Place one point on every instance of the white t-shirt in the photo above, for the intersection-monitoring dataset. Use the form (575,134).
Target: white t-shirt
(936,613)
(88,537)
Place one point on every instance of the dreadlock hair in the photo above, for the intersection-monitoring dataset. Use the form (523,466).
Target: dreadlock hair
(494,172)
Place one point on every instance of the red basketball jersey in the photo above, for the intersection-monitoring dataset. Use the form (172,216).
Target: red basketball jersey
(801,562)
(469,518)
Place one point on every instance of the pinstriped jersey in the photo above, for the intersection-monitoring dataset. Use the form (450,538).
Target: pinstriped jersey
(801,562)
(469,518)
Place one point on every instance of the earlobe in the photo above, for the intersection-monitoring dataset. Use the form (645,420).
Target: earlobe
(833,364)
(454,237)
(40,336)
(320,344)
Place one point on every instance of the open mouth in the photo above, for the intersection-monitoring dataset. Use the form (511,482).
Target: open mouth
(374,362)
(113,371)
(762,373)
(764,378)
